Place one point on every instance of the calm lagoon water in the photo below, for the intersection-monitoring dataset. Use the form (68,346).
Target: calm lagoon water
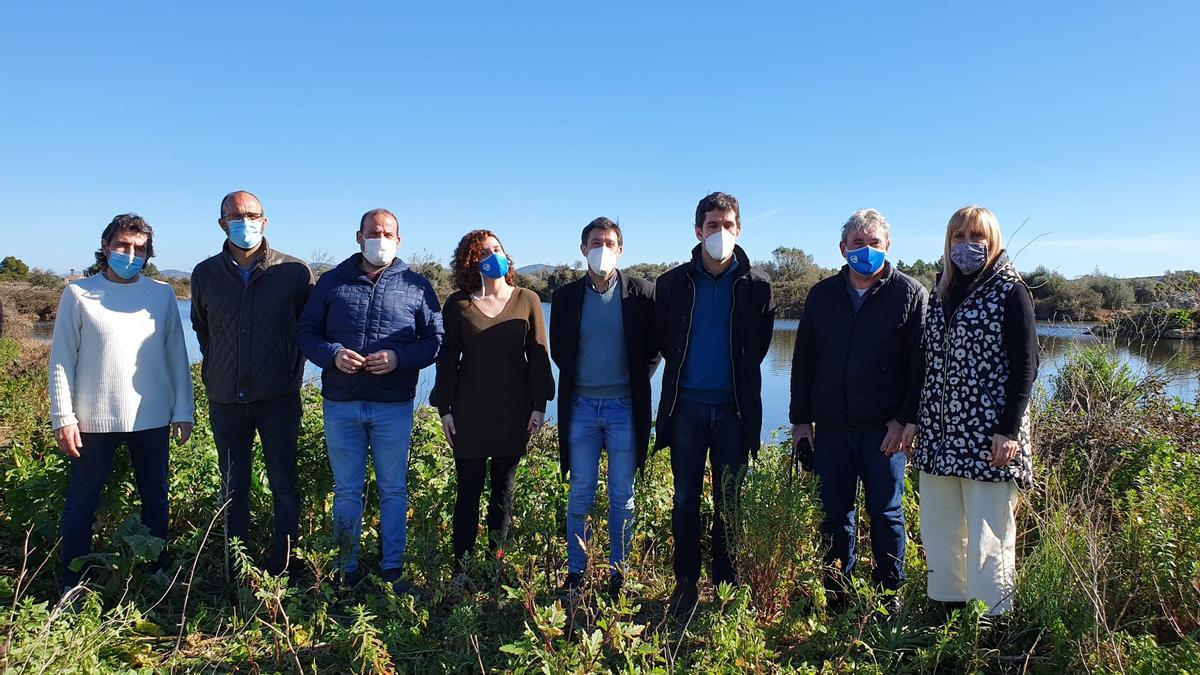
(1177,361)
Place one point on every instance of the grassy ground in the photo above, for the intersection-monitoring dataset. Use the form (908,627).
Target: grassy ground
(1109,565)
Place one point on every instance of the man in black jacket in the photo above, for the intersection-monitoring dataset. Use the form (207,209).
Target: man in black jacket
(245,304)
(856,374)
(602,338)
(714,318)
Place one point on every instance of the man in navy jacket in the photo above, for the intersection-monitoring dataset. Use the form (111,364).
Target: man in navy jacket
(371,324)
(714,319)
(856,374)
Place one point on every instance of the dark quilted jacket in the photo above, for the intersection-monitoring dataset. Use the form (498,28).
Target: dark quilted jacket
(398,311)
(247,332)
(857,370)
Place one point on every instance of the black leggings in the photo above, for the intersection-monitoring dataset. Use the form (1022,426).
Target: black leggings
(471,473)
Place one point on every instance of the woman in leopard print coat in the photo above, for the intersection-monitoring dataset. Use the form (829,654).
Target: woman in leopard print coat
(972,443)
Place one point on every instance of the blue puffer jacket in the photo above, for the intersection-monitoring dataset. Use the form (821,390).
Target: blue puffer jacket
(399,311)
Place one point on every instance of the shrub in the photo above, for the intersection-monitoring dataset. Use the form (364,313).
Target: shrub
(1094,379)
(774,528)
(13,269)
(1114,293)
(44,278)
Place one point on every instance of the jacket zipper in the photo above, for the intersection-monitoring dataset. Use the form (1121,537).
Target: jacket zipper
(686,339)
(871,292)
(946,344)
(737,404)
(370,312)
(846,364)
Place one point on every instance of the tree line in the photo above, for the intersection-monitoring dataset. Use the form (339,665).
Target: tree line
(793,272)
(1093,297)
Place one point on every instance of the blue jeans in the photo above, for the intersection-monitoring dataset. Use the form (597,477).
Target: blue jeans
(89,471)
(601,424)
(704,432)
(841,460)
(385,429)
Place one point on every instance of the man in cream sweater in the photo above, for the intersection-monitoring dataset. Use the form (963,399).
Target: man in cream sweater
(118,375)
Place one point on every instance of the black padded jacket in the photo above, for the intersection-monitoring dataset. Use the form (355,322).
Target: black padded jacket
(247,331)
(857,370)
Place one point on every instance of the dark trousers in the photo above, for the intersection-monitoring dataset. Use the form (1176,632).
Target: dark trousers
(704,432)
(841,460)
(277,423)
(470,476)
(89,471)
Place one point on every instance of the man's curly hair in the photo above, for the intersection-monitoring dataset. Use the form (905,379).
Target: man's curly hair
(126,222)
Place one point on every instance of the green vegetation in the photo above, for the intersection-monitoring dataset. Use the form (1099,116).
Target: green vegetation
(1109,564)
(793,272)
(13,269)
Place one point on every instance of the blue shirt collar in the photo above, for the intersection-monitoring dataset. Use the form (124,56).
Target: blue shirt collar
(699,264)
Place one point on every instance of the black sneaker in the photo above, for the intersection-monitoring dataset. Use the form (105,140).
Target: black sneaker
(683,600)
(836,602)
(615,583)
(393,577)
(947,609)
(572,585)
(889,608)
(346,581)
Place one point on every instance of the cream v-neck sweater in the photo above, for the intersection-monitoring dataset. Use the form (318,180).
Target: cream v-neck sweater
(118,361)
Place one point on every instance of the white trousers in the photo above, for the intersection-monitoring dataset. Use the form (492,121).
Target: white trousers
(969,532)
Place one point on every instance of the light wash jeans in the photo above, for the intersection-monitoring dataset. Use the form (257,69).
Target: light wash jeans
(352,428)
(600,424)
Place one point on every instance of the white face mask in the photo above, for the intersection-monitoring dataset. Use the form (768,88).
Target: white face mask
(720,244)
(380,252)
(602,260)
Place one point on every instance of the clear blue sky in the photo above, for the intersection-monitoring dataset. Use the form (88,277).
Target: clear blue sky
(531,119)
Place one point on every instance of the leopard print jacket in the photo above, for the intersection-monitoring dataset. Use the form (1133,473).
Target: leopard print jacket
(963,396)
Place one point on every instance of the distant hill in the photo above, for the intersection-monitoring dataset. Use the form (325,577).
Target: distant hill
(534,269)
(175,274)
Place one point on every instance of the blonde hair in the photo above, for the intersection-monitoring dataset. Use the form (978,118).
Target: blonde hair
(973,220)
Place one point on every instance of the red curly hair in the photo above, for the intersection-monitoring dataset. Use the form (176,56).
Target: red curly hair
(464,267)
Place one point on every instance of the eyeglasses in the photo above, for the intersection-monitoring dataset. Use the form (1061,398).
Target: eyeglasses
(241,216)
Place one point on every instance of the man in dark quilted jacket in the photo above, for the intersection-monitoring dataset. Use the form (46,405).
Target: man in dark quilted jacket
(371,325)
(245,304)
(856,376)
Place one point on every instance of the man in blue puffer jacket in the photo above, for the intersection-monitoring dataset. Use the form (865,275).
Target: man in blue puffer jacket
(371,324)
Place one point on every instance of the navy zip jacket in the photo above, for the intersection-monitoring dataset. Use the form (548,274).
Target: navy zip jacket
(857,370)
(751,328)
(398,311)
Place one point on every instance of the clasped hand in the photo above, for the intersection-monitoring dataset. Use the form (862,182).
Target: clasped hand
(377,363)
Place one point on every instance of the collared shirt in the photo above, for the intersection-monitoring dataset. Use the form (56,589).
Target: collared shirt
(708,365)
(247,271)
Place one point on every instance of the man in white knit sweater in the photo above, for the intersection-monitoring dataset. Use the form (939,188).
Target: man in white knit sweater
(118,375)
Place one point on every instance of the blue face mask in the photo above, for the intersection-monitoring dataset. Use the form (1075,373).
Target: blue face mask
(245,234)
(495,266)
(866,260)
(125,266)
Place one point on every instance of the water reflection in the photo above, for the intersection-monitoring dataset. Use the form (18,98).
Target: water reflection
(1176,361)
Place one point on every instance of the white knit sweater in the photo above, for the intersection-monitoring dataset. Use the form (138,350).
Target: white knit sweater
(118,361)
